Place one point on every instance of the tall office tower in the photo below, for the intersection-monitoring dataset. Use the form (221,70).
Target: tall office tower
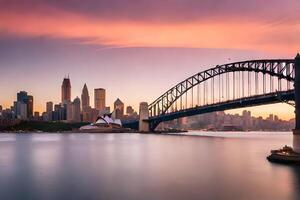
(76,110)
(22,97)
(49,110)
(119,108)
(30,106)
(20,110)
(59,113)
(66,90)
(0,108)
(85,98)
(100,99)
(69,111)
(49,107)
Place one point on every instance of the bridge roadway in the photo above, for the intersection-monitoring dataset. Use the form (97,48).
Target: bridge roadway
(256,100)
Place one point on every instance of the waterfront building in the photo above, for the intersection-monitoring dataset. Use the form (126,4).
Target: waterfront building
(36,116)
(69,108)
(45,116)
(66,90)
(76,114)
(129,110)
(30,106)
(49,110)
(22,96)
(73,110)
(85,98)
(99,99)
(119,108)
(59,113)
(271,117)
(90,115)
(104,111)
(20,110)
(246,120)
(7,114)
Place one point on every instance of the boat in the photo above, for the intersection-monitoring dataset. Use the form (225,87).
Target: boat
(286,155)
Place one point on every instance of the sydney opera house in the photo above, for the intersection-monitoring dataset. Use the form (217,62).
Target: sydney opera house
(105,123)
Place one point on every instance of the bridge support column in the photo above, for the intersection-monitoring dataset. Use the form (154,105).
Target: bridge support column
(296,131)
(144,116)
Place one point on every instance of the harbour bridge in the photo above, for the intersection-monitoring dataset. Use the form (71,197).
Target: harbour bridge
(224,87)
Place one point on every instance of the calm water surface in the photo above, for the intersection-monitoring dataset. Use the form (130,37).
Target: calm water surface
(145,167)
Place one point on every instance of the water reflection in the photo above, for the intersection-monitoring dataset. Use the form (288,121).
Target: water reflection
(134,166)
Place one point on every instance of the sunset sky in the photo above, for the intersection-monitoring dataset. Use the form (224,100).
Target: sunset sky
(136,49)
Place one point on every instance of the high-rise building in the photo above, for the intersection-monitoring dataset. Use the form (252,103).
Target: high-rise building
(66,90)
(49,110)
(90,114)
(69,106)
(49,106)
(22,97)
(271,117)
(20,110)
(0,108)
(30,106)
(36,115)
(59,113)
(119,108)
(73,110)
(99,99)
(85,98)
(76,110)
(246,120)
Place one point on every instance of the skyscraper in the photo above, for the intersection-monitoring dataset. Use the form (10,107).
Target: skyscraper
(76,110)
(66,90)
(119,108)
(20,110)
(49,107)
(73,110)
(30,106)
(69,109)
(24,98)
(100,99)
(85,98)
(49,110)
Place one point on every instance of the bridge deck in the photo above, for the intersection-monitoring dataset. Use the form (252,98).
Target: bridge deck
(256,100)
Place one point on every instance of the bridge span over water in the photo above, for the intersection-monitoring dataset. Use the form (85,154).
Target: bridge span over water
(224,87)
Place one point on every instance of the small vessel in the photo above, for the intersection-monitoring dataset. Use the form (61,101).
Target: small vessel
(104,124)
(285,155)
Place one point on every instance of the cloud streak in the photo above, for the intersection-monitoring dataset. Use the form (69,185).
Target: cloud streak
(186,24)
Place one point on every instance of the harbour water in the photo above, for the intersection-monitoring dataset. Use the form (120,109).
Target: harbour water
(145,167)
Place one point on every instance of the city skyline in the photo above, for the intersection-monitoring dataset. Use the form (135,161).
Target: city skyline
(256,111)
(120,46)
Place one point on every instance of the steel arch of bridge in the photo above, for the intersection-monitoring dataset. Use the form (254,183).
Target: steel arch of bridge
(280,68)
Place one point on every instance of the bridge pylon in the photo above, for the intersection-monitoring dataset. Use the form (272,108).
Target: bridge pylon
(144,117)
(296,131)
